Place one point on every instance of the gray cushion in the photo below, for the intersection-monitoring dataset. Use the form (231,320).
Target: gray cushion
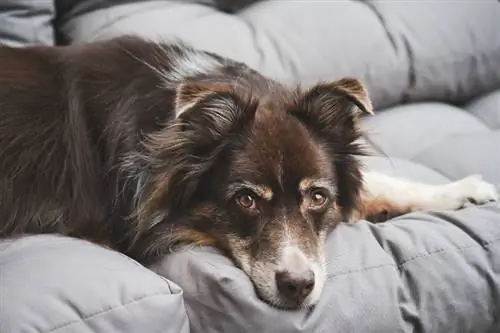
(69,8)
(56,284)
(26,22)
(424,272)
(445,140)
(405,51)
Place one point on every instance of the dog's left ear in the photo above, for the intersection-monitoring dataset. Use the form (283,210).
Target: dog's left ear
(331,112)
(209,119)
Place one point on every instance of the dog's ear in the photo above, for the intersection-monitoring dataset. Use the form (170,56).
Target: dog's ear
(337,104)
(188,94)
(208,119)
(331,112)
(209,113)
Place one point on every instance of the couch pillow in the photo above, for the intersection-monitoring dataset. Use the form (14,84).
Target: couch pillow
(404,50)
(58,285)
(26,22)
(68,8)
(423,272)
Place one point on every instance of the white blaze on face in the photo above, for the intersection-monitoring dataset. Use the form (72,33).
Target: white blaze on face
(297,262)
(294,260)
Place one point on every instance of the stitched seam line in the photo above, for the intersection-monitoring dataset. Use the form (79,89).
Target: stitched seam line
(422,255)
(95,314)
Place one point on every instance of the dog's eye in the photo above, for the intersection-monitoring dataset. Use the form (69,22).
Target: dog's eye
(246,201)
(318,199)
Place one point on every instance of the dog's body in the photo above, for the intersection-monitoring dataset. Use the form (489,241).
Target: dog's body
(143,146)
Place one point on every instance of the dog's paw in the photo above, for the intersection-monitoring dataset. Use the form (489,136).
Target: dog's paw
(472,189)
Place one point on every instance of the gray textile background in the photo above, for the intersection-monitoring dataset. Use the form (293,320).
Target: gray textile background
(63,285)
(403,50)
(26,22)
(431,273)
(71,8)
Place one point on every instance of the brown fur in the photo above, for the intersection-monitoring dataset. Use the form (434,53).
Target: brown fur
(92,148)
(377,209)
(194,237)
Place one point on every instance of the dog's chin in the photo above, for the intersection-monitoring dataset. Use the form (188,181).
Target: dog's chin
(262,276)
(281,303)
(268,293)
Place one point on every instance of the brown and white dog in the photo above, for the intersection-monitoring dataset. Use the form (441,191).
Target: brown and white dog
(144,147)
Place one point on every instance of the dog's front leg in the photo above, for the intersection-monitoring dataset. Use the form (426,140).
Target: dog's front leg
(384,196)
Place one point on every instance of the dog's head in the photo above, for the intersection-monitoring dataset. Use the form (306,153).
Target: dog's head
(261,177)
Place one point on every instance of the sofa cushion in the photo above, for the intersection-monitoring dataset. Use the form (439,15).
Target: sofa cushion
(26,22)
(70,8)
(487,109)
(451,141)
(423,272)
(452,55)
(57,284)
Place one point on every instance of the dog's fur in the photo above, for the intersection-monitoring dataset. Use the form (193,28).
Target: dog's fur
(142,147)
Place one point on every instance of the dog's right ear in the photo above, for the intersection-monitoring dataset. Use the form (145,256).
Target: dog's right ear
(208,118)
(189,94)
(211,113)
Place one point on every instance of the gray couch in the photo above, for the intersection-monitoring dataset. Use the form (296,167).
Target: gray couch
(433,71)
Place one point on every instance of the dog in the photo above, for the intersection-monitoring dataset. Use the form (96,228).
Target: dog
(145,147)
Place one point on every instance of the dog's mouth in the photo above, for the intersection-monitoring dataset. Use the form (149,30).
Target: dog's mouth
(293,281)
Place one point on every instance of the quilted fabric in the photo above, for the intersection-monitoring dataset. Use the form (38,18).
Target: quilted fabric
(406,51)
(433,142)
(62,285)
(26,22)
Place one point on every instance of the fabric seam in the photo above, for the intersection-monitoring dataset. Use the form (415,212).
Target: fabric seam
(403,263)
(95,314)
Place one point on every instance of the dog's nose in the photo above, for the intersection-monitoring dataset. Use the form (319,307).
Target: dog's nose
(295,286)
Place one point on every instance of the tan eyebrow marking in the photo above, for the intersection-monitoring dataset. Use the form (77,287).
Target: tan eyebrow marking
(308,183)
(261,190)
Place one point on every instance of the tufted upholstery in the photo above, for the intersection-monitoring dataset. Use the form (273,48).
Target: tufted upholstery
(53,284)
(26,22)
(435,142)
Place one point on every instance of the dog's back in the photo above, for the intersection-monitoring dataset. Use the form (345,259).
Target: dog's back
(67,115)
(40,159)
(72,115)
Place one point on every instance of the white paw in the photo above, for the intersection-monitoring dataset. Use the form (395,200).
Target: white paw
(472,189)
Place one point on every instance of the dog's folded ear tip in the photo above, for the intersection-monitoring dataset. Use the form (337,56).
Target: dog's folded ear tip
(364,105)
(370,111)
(356,91)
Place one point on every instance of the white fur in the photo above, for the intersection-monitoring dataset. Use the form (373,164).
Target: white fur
(294,260)
(188,64)
(183,108)
(181,66)
(450,196)
(290,257)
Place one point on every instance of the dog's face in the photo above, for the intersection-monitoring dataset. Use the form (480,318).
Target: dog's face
(263,178)
(278,195)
